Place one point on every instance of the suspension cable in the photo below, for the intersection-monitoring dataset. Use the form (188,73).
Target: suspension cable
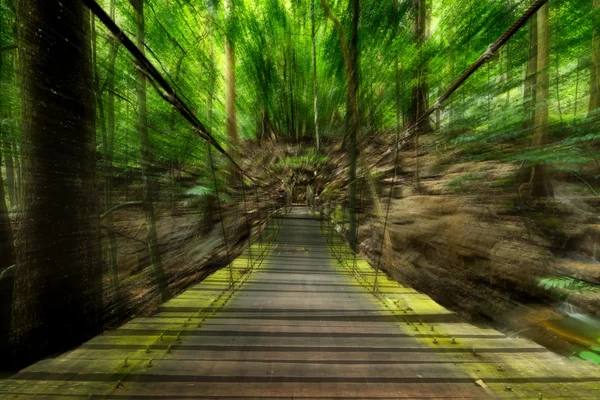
(168,93)
(361,195)
(486,56)
(385,221)
(247,223)
(257,200)
(214,176)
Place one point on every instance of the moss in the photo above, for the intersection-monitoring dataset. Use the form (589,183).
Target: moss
(508,181)
(464,182)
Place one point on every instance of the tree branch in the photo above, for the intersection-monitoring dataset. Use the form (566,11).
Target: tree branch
(343,40)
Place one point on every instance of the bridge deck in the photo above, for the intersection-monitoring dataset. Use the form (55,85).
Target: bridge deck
(302,324)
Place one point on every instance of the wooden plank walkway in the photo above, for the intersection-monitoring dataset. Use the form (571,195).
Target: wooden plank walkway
(303,323)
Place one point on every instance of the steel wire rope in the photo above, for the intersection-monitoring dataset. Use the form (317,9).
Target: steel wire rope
(385,221)
(214,176)
(247,224)
(488,53)
(167,92)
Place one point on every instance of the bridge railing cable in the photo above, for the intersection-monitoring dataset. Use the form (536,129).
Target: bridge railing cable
(164,89)
(491,50)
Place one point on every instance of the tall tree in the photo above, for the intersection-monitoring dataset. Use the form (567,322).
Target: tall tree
(230,89)
(418,104)
(5,114)
(58,275)
(540,185)
(10,172)
(315,83)
(350,54)
(529,84)
(594,104)
(160,278)
(7,260)
(7,257)
(355,124)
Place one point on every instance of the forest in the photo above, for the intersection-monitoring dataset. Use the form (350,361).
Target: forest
(144,143)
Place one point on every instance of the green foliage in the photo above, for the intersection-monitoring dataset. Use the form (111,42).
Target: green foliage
(200,191)
(310,160)
(567,283)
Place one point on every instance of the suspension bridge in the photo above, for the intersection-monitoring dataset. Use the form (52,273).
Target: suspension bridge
(299,314)
(301,321)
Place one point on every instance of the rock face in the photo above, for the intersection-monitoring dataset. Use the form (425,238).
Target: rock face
(451,249)
(466,238)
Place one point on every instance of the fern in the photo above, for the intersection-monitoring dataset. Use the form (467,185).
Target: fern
(200,191)
(567,283)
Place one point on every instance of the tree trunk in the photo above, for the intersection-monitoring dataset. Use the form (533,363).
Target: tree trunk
(594,104)
(7,251)
(18,175)
(7,259)
(507,74)
(58,279)
(10,173)
(5,145)
(540,186)
(355,125)
(576,90)
(529,92)
(174,162)
(350,54)
(284,108)
(419,89)
(230,108)
(160,278)
(315,83)
(451,65)
(294,131)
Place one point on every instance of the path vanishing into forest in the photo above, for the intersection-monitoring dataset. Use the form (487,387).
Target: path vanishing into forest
(302,322)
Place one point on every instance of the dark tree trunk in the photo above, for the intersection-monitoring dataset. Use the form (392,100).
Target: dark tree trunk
(350,53)
(18,176)
(419,90)
(594,103)
(355,123)
(10,173)
(7,251)
(58,277)
(529,91)
(284,107)
(540,184)
(293,130)
(7,259)
(6,240)
(315,83)
(235,176)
